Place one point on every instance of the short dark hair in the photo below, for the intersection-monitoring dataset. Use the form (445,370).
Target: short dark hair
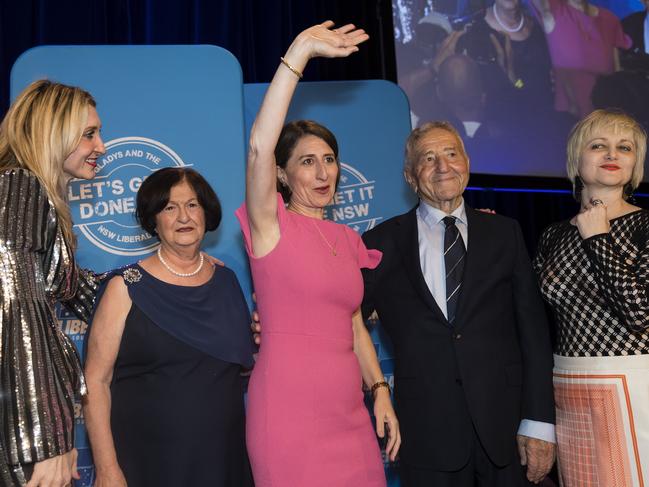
(153,196)
(291,134)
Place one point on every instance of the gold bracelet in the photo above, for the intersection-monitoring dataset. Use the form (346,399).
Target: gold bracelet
(293,70)
(379,384)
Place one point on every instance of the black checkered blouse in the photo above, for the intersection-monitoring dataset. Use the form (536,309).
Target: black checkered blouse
(598,287)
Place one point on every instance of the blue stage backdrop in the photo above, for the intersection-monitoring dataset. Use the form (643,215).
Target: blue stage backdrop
(184,106)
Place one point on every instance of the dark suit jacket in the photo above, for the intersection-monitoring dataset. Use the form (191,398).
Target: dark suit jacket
(491,369)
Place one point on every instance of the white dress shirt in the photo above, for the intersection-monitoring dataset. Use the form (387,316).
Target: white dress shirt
(431,230)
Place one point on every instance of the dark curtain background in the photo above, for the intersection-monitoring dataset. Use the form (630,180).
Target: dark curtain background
(257,32)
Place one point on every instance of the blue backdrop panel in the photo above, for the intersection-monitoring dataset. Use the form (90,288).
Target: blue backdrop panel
(160,106)
(371,121)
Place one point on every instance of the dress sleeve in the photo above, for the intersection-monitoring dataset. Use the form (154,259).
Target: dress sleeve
(242,215)
(36,383)
(367,258)
(83,302)
(624,278)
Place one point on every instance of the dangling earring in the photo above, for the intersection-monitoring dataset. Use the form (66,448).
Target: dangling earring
(577,188)
(627,192)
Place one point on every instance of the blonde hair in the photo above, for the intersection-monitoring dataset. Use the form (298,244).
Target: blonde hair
(42,128)
(412,149)
(605,119)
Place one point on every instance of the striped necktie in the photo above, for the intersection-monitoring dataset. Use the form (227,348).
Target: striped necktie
(454,253)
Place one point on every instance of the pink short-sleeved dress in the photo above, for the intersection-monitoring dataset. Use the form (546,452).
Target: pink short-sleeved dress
(307,425)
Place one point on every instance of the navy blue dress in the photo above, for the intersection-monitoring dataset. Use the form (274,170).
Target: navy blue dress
(177,412)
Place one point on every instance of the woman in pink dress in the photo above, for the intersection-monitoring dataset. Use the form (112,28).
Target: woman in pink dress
(307,424)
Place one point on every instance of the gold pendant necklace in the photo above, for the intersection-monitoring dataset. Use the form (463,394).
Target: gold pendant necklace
(331,247)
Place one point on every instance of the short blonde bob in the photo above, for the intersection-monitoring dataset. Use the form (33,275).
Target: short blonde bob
(615,120)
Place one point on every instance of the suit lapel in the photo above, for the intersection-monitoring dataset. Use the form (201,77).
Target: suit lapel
(408,242)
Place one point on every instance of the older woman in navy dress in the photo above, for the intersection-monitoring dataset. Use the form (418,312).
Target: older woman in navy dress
(167,345)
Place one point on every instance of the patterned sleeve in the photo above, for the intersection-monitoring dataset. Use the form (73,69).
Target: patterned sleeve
(37,369)
(83,302)
(624,277)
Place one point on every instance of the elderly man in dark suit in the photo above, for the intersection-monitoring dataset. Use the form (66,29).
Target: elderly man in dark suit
(456,293)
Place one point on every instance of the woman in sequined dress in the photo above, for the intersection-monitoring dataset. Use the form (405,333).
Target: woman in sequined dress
(50,135)
(594,272)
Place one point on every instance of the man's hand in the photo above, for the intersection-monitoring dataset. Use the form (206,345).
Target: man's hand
(538,455)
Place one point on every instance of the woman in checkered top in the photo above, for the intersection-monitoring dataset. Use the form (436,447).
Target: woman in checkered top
(594,272)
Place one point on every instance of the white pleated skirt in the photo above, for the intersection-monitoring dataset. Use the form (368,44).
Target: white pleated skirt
(602,420)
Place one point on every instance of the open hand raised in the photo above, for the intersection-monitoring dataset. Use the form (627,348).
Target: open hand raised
(322,40)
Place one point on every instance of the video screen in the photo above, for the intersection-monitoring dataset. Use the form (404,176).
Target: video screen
(514,76)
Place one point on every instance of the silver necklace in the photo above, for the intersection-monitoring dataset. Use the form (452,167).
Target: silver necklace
(181,274)
(504,27)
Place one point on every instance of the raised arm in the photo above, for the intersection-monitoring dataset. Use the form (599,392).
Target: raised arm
(261,200)
(544,13)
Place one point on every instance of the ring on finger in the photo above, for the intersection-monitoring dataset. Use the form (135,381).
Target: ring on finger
(596,202)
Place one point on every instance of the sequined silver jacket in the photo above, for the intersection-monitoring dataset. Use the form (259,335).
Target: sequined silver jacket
(40,371)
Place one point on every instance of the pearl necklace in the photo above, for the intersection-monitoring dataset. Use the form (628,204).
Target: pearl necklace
(181,274)
(504,27)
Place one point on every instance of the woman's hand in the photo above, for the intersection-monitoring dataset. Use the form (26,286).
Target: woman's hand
(56,471)
(323,41)
(592,219)
(386,419)
(213,260)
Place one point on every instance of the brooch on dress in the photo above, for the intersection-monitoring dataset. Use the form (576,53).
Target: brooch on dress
(132,275)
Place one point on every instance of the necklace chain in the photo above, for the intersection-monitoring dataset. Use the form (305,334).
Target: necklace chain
(181,274)
(505,28)
(331,247)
